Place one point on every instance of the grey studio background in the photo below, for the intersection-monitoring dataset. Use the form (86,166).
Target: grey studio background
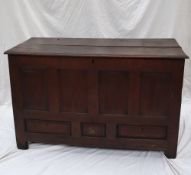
(21,19)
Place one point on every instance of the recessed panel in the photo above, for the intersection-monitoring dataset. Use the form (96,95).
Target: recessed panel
(131,131)
(93,129)
(73,91)
(113,92)
(155,93)
(42,126)
(34,89)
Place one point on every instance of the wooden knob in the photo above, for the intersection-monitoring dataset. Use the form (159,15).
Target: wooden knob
(91,131)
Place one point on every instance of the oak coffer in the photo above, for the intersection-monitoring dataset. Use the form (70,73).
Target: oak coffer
(111,93)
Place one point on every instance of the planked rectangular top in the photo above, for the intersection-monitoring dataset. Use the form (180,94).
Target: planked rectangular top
(86,47)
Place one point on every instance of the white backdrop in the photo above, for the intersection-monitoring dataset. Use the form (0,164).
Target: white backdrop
(22,19)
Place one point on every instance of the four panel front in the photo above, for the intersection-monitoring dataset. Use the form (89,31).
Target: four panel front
(116,95)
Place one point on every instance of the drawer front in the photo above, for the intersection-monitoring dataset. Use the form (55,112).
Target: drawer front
(150,132)
(93,129)
(53,127)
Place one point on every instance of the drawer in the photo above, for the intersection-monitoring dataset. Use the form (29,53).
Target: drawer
(150,132)
(44,126)
(93,129)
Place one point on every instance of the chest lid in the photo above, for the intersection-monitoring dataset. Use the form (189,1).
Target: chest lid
(86,47)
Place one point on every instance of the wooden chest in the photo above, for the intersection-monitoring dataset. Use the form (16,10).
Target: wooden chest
(111,93)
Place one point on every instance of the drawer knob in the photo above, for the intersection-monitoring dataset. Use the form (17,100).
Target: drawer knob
(91,131)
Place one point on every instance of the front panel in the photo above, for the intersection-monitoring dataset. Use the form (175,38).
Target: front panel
(73,89)
(123,101)
(113,92)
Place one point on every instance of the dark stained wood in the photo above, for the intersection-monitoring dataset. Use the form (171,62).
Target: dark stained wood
(93,92)
(158,86)
(22,142)
(93,129)
(73,91)
(43,126)
(53,96)
(151,132)
(174,110)
(134,92)
(79,117)
(101,142)
(167,42)
(113,92)
(136,48)
(31,97)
